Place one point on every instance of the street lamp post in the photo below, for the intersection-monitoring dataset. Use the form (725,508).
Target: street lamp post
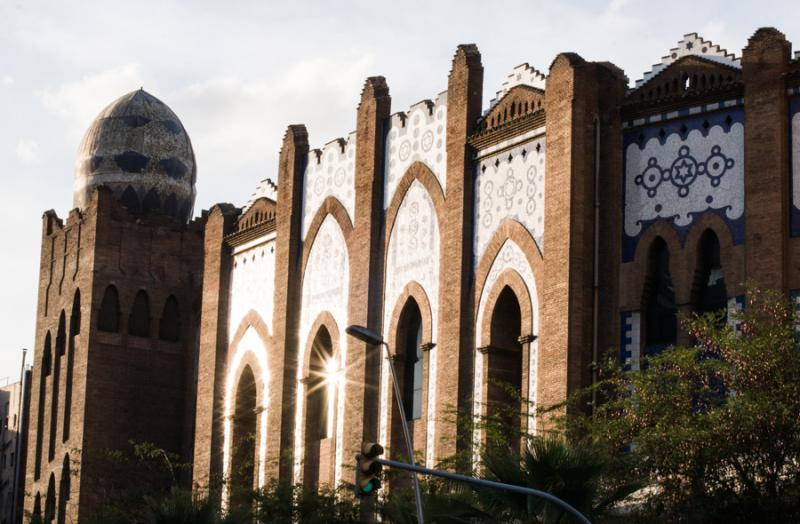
(370,337)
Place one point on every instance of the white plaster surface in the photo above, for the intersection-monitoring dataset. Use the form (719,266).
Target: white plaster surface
(330,172)
(510,185)
(419,135)
(253,283)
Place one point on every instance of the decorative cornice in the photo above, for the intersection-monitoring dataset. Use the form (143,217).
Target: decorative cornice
(246,235)
(488,138)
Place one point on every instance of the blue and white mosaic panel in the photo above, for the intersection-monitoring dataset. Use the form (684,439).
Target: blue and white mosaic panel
(419,135)
(682,169)
(330,172)
(510,185)
(794,131)
(630,350)
(735,305)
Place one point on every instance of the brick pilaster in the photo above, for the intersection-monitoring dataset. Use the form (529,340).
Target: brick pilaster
(765,62)
(366,271)
(213,347)
(288,246)
(456,326)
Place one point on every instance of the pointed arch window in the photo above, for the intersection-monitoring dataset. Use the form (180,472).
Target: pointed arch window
(661,312)
(413,360)
(169,325)
(108,319)
(710,293)
(139,320)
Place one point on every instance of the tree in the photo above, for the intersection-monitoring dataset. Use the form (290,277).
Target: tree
(715,427)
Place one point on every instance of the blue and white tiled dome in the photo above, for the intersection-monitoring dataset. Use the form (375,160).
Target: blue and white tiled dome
(139,149)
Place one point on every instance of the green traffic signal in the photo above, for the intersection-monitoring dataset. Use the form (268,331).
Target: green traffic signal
(368,470)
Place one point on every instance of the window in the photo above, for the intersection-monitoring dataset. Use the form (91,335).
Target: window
(109,311)
(139,321)
(169,325)
(709,293)
(413,360)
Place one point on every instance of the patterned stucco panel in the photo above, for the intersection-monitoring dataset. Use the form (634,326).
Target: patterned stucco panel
(681,170)
(413,255)
(510,185)
(252,284)
(419,135)
(330,172)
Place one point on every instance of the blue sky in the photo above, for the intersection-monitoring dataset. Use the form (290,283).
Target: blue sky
(237,73)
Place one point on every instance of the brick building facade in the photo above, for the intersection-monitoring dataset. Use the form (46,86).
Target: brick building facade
(515,242)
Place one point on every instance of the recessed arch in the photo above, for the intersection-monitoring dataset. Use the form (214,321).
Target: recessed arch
(415,172)
(60,349)
(109,315)
(74,333)
(46,363)
(709,292)
(659,307)
(139,319)
(169,326)
(64,490)
(248,349)
(242,472)
(50,500)
(333,207)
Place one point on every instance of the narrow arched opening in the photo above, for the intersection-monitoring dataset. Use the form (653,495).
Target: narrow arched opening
(410,373)
(50,501)
(46,366)
(151,202)
(130,200)
(61,340)
(63,491)
(169,325)
(504,387)
(243,452)
(37,507)
(709,294)
(74,332)
(321,385)
(108,317)
(660,310)
(139,319)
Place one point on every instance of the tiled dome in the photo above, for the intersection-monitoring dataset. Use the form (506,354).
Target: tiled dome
(139,149)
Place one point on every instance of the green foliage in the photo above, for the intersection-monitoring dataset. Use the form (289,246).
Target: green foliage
(715,427)
(281,503)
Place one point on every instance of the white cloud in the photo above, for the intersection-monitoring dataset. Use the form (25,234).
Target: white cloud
(28,152)
(7,80)
(80,101)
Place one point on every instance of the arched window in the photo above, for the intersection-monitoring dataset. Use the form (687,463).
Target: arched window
(130,200)
(61,338)
(63,491)
(709,293)
(151,202)
(504,388)
(321,400)
(410,331)
(50,501)
(169,325)
(108,319)
(139,320)
(661,324)
(37,506)
(74,331)
(243,452)
(47,359)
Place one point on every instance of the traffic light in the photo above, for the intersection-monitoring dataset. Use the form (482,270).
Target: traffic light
(368,470)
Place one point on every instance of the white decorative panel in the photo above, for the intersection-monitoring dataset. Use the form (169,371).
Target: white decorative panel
(420,136)
(413,255)
(692,45)
(511,257)
(252,284)
(326,283)
(510,185)
(523,74)
(681,176)
(330,172)
(265,189)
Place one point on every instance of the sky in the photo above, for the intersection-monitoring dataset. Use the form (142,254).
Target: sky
(238,72)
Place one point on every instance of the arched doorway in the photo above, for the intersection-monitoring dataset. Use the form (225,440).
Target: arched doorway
(709,293)
(64,491)
(660,310)
(504,372)
(243,453)
(321,386)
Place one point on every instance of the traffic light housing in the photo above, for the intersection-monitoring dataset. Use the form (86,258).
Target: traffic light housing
(368,470)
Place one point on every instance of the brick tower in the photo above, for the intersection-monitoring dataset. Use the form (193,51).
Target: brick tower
(117,317)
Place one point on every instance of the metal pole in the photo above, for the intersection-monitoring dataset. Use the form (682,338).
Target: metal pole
(409,447)
(487,484)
